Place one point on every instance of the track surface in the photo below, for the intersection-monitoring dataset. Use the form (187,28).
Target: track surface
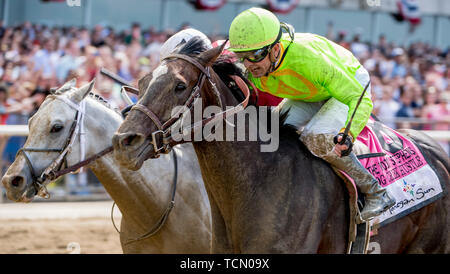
(69,227)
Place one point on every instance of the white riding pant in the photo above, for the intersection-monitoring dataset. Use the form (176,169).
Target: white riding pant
(319,122)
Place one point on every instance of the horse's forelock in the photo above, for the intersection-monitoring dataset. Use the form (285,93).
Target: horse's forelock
(193,47)
(144,82)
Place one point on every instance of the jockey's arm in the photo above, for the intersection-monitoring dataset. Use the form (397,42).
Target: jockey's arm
(345,87)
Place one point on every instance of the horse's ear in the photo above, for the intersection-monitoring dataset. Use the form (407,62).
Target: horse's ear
(67,86)
(208,57)
(82,92)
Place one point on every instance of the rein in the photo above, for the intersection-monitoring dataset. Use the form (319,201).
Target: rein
(54,170)
(164,128)
(162,220)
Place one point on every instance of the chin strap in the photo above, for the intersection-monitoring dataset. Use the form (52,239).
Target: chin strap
(274,65)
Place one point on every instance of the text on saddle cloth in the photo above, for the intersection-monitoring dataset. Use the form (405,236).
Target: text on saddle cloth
(400,167)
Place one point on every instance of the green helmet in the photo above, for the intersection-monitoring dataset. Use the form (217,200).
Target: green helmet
(253,29)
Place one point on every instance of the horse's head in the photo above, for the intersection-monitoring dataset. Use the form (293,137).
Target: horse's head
(52,130)
(176,82)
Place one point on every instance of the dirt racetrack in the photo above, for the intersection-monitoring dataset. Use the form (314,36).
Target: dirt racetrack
(69,227)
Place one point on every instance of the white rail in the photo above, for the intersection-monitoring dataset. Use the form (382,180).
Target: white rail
(13,130)
(22,130)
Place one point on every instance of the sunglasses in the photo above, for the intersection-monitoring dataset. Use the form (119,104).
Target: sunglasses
(254,56)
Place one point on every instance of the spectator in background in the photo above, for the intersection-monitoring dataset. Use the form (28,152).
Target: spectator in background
(341,40)
(330,31)
(98,36)
(19,106)
(2,29)
(154,48)
(386,109)
(398,68)
(3,117)
(135,35)
(405,110)
(83,38)
(35,57)
(359,49)
(382,45)
(46,59)
(437,109)
(3,105)
(71,60)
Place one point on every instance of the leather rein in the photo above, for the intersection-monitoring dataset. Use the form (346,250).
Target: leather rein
(55,170)
(164,128)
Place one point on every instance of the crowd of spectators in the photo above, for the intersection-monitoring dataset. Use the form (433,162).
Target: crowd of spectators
(410,84)
(407,82)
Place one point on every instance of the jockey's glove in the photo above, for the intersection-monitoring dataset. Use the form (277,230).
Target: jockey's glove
(346,140)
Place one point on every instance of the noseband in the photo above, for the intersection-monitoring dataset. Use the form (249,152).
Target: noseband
(164,129)
(54,170)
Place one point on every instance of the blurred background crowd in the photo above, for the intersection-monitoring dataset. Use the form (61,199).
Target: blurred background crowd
(410,85)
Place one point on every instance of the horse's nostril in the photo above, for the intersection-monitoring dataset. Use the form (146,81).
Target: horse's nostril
(127,141)
(131,140)
(17,181)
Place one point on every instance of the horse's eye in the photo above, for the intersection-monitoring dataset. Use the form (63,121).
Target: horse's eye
(180,87)
(56,128)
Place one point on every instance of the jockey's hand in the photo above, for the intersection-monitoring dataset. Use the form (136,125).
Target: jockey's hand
(345,148)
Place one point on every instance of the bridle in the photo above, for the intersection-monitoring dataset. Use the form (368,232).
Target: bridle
(165,128)
(54,170)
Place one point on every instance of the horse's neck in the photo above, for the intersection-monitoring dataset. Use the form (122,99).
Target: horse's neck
(227,97)
(222,161)
(138,194)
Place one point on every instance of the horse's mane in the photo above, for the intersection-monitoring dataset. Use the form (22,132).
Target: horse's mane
(103,101)
(100,99)
(96,97)
(223,66)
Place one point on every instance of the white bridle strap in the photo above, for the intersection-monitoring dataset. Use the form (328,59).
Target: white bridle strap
(79,130)
(82,133)
(80,124)
(72,104)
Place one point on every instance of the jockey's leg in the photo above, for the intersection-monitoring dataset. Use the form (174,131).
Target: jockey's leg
(377,199)
(318,135)
(300,113)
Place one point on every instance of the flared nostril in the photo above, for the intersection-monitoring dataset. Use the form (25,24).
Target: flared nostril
(127,140)
(17,181)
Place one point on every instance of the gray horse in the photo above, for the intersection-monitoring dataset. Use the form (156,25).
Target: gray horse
(141,196)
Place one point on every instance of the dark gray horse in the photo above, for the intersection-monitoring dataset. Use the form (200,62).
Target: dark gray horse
(287,201)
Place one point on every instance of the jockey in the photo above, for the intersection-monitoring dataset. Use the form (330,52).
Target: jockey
(264,98)
(321,83)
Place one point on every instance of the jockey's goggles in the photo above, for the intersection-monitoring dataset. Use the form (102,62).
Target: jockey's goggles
(254,56)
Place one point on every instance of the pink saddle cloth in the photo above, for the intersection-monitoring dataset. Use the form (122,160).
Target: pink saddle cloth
(399,166)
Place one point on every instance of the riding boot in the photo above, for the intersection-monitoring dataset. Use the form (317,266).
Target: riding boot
(377,200)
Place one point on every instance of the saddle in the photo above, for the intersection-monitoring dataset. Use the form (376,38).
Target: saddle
(399,166)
